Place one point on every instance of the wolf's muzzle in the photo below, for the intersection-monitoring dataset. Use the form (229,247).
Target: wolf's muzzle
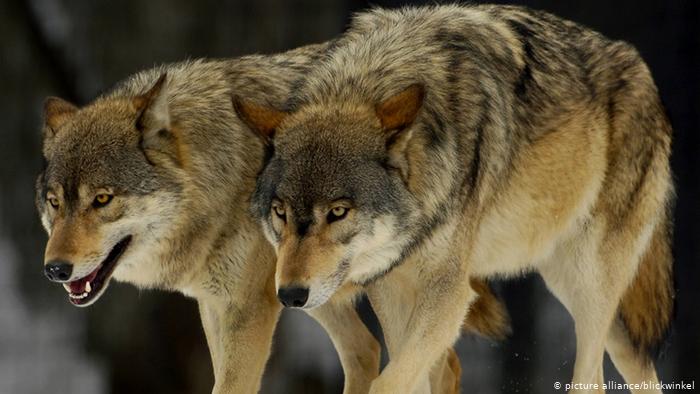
(294,297)
(58,270)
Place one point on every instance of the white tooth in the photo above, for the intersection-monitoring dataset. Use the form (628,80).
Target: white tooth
(87,287)
(67,287)
(78,296)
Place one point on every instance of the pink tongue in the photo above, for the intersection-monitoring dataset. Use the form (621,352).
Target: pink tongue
(78,286)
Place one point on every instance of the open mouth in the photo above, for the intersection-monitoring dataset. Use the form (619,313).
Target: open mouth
(87,289)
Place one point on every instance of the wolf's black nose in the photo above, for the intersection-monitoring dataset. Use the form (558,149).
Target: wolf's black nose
(58,270)
(293,296)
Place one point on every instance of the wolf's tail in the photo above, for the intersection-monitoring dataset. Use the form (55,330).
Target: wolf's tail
(487,316)
(648,306)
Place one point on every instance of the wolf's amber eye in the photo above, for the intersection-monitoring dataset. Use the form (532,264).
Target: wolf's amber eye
(54,202)
(337,213)
(279,211)
(101,200)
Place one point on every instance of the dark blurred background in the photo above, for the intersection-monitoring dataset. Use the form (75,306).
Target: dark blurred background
(152,342)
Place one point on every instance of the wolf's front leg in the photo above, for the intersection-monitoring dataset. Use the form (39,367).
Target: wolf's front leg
(358,350)
(239,338)
(421,313)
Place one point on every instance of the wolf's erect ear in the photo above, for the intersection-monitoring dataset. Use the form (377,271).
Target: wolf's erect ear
(56,112)
(396,114)
(152,107)
(262,119)
(153,121)
(400,110)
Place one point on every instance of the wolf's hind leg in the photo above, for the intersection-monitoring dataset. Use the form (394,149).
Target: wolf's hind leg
(591,292)
(590,350)
(358,350)
(645,313)
(592,316)
(634,367)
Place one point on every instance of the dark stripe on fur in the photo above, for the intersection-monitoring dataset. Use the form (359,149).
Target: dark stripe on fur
(525,79)
(475,167)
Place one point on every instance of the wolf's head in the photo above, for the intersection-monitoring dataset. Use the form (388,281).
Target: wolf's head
(333,198)
(108,194)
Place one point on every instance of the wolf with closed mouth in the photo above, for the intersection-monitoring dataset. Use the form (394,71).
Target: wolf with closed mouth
(437,144)
(150,184)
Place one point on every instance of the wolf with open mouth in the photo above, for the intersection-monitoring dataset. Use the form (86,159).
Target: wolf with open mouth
(149,184)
